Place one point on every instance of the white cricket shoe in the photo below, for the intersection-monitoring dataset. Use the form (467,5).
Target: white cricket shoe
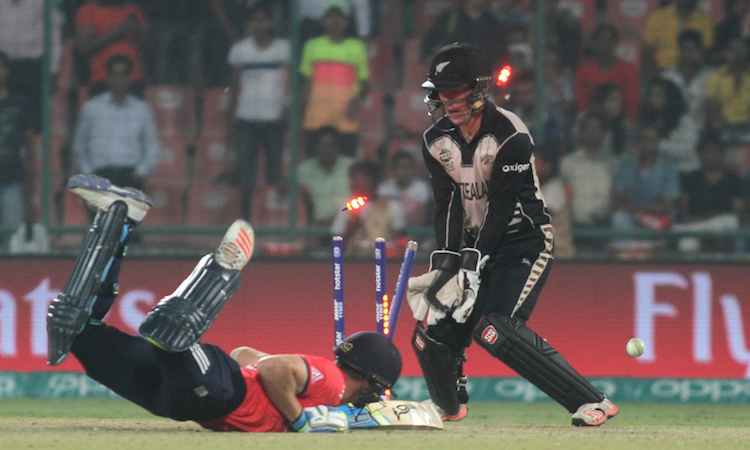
(236,246)
(589,415)
(100,193)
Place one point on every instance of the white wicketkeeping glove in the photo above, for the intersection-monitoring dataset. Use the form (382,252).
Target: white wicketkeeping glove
(472,263)
(433,295)
(320,419)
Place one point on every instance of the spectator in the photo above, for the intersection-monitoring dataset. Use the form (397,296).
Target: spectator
(176,37)
(729,92)
(379,218)
(336,75)
(563,28)
(523,103)
(691,75)
(520,52)
(603,67)
(260,65)
(471,22)
(325,178)
(587,173)
(646,186)
(406,187)
(665,109)
(105,28)
(312,11)
(662,27)
(556,197)
(22,40)
(735,24)
(559,91)
(116,134)
(712,200)
(607,101)
(510,13)
(16,153)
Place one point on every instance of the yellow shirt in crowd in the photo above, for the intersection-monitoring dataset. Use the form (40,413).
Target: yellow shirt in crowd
(732,95)
(664,25)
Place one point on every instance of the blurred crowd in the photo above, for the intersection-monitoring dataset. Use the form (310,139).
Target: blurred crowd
(640,112)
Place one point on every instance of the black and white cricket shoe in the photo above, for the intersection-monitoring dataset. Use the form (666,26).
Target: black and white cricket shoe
(100,193)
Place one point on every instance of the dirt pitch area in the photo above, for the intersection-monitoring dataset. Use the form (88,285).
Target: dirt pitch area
(118,425)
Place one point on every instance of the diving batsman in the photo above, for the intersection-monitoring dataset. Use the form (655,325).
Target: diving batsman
(495,245)
(167,370)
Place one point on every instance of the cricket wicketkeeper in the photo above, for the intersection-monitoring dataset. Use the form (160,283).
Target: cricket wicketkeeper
(167,371)
(494,246)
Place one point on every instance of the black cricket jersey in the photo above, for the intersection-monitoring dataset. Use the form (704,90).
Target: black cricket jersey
(486,191)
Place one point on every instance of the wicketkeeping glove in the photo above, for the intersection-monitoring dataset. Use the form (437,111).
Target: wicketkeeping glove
(432,295)
(320,419)
(469,279)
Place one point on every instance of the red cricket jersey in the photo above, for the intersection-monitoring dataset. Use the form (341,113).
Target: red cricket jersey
(256,413)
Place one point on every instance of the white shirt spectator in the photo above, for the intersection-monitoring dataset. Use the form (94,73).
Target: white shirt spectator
(681,145)
(22,30)
(112,135)
(263,73)
(414,198)
(590,180)
(694,92)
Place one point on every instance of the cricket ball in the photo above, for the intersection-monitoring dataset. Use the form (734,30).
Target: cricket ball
(635,347)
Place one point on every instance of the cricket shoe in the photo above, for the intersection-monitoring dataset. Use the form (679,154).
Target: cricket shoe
(179,320)
(609,408)
(589,415)
(463,411)
(100,193)
(236,247)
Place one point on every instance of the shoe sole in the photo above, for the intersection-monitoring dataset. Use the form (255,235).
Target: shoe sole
(99,192)
(236,247)
(579,422)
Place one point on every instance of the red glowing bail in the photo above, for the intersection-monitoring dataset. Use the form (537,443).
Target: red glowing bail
(355,203)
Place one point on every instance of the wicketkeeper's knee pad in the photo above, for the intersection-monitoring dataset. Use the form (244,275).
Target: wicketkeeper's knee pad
(440,365)
(524,351)
(179,320)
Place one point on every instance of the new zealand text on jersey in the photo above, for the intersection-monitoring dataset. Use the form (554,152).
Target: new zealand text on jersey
(473,191)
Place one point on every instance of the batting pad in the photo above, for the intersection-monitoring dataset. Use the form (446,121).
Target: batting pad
(393,415)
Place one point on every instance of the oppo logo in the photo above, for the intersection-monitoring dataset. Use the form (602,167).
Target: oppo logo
(516,167)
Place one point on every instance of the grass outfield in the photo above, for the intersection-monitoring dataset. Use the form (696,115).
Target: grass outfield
(116,425)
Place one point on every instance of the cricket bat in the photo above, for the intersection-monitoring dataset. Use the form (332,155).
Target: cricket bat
(394,415)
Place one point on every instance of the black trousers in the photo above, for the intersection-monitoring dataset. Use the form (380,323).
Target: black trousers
(511,284)
(249,139)
(200,384)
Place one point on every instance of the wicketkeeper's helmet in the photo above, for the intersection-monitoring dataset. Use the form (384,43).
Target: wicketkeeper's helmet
(455,66)
(372,356)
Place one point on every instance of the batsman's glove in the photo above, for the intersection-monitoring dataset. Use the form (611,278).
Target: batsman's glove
(472,263)
(320,419)
(433,295)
